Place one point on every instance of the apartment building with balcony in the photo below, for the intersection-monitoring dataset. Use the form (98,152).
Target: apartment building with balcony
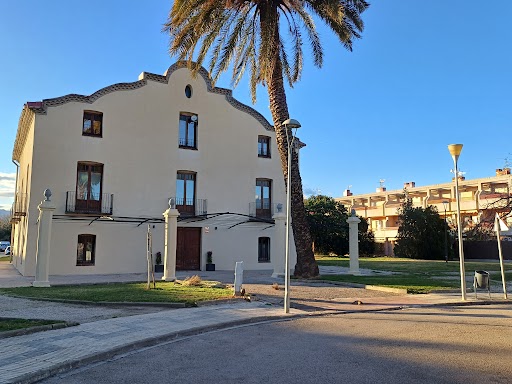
(116,159)
(479,199)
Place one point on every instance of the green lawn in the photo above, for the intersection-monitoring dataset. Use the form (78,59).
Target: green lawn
(12,324)
(5,258)
(395,264)
(412,283)
(125,292)
(417,276)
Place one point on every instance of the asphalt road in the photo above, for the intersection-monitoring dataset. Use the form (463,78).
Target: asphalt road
(425,345)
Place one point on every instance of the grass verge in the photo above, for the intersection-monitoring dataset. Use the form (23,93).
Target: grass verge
(5,258)
(417,276)
(395,264)
(169,292)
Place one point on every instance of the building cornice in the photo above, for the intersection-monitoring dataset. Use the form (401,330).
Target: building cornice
(445,186)
(30,109)
(26,119)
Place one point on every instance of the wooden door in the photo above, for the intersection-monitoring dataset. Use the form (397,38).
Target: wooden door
(188,249)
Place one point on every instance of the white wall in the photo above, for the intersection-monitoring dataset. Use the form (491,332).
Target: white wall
(139,150)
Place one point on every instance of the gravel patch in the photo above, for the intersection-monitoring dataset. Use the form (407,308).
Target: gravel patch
(311,297)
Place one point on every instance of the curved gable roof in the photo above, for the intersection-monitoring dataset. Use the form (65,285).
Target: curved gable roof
(41,107)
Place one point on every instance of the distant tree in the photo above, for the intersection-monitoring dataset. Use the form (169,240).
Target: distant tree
(366,238)
(5,228)
(420,232)
(483,229)
(327,221)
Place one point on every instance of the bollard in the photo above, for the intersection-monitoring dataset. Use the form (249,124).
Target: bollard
(239,277)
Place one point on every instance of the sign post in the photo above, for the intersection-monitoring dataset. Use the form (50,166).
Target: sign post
(499,225)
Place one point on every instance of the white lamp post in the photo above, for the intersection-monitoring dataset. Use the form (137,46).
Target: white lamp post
(288,125)
(455,150)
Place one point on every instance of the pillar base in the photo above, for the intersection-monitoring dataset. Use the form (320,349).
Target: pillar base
(276,275)
(355,273)
(168,278)
(41,284)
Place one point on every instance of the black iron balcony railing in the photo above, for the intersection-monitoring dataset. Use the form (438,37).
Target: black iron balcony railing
(91,204)
(190,207)
(262,209)
(19,207)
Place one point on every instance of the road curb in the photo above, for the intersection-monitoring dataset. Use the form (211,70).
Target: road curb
(357,285)
(135,303)
(39,328)
(107,303)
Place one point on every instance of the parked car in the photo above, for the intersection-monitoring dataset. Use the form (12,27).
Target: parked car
(8,250)
(3,245)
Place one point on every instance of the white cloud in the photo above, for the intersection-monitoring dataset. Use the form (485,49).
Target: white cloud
(7,185)
(308,191)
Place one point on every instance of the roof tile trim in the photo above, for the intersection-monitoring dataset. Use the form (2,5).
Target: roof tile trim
(161,79)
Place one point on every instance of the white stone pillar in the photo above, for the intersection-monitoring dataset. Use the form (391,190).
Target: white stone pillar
(44,235)
(170,242)
(353,243)
(278,244)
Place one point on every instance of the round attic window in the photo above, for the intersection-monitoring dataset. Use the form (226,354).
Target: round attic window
(188,91)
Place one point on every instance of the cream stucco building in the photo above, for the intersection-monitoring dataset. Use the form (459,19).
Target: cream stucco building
(115,159)
(479,198)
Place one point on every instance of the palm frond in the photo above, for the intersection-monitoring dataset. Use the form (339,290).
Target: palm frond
(245,35)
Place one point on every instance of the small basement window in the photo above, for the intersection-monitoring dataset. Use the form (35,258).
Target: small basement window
(85,254)
(264,250)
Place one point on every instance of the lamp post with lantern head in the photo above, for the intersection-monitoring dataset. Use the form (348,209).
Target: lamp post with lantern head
(455,150)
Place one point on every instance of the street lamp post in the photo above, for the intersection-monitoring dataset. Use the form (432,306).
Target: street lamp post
(289,124)
(445,203)
(455,150)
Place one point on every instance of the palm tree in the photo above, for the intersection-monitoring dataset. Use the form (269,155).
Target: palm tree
(247,34)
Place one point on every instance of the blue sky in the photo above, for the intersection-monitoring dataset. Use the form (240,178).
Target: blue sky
(424,75)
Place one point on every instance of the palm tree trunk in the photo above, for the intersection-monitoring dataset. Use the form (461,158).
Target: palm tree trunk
(306,264)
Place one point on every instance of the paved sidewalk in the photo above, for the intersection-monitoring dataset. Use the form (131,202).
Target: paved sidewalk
(28,358)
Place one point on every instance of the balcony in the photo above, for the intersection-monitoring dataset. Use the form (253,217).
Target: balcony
(375,211)
(19,207)
(494,200)
(99,204)
(191,207)
(438,203)
(261,210)
(391,208)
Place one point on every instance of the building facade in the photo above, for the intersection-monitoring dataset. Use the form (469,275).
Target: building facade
(479,199)
(116,159)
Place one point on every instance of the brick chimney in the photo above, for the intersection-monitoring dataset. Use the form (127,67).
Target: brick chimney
(347,192)
(380,189)
(502,172)
(410,184)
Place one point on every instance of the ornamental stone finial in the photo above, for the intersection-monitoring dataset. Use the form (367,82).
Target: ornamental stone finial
(47,194)
(353,212)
